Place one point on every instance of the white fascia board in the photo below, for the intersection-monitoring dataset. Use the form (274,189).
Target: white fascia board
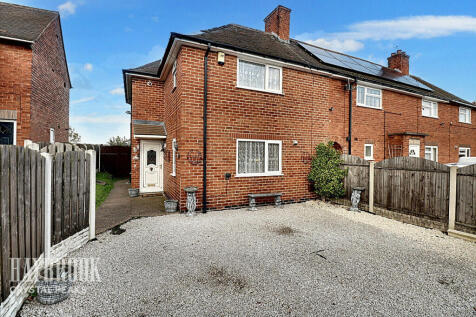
(16,39)
(144,136)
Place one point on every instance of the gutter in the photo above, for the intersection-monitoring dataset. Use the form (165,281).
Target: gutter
(205,112)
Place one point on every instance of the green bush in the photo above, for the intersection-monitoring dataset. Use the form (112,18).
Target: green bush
(326,173)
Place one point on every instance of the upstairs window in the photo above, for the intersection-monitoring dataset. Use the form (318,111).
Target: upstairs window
(174,74)
(259,76)
(429,109)
(464,115)
(369,97)
(431,153)
(258,158)
(464,152)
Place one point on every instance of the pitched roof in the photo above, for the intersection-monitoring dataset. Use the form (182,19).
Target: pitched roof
(23,23)
(147,69)
(257,42)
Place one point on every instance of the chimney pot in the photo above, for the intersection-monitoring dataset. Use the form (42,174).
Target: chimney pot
(399,61)
(277,22)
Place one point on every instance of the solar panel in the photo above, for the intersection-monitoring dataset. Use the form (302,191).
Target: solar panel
(359,65)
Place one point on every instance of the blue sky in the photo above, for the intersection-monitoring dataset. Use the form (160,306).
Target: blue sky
(104,36)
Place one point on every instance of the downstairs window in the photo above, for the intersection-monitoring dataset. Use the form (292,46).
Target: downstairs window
(258,158)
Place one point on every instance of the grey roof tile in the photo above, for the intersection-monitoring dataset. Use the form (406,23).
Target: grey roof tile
(23,23)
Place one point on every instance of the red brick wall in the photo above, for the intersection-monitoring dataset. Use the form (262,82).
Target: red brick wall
(15,84)
(50,87)
(312,109)
(404,114)
(278,22)
(147,104)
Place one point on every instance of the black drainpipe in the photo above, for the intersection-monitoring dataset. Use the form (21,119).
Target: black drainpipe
(349,138)
(205,101)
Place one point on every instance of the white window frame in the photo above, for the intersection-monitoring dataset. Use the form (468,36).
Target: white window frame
(430,149)
(266,172)
(174,74)
(52,135)
(371,157)
(365,95)
(433,108)
(468,114)
(14,129)
(174,160)
(267,66)
(466,150)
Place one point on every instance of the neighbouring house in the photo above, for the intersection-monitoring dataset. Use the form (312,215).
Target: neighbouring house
(234,110)
(34,78)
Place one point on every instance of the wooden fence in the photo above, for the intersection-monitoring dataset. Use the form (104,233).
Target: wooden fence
(22,213)
(414,190)
(70,195)
(413,186)
(113,159)
(43,198)
(465,218)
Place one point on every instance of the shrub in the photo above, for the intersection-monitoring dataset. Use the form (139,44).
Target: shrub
(326,174)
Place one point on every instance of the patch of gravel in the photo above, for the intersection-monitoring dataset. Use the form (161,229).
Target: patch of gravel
(238,262)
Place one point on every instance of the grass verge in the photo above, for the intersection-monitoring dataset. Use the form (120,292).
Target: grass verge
(104,187)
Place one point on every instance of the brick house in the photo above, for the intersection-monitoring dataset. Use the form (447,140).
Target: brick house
(34,78)
(268,100)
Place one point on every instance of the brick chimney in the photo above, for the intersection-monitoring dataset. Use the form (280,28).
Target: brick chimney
(277,22)
(399,61)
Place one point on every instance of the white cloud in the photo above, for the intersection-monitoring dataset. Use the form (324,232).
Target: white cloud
(88,67)
(67,8)
(117,91)
(82,100)
(403,28)
(338,45)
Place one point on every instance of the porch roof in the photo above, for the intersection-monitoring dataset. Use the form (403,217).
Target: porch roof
(149,128)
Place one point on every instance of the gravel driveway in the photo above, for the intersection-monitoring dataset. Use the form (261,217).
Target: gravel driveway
(303,259)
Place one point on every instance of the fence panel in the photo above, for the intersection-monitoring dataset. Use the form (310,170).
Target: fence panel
(21,211)
(357,176)
(466,199)
(413,186)
(70,196)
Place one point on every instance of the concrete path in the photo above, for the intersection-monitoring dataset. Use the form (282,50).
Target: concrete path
(119,207)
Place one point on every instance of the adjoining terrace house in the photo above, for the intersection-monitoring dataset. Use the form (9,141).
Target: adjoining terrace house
(235,110)
(34,78)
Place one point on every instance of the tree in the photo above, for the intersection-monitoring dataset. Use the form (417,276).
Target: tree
(118,140)
(326,173)
(73,136)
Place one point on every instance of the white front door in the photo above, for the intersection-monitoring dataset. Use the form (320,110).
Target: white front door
(152,166)
(414,150)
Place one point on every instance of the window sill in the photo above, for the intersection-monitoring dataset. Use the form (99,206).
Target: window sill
(431,117)
(465,122)
(369,159)
(365,106)
(257,175)
(262,90)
